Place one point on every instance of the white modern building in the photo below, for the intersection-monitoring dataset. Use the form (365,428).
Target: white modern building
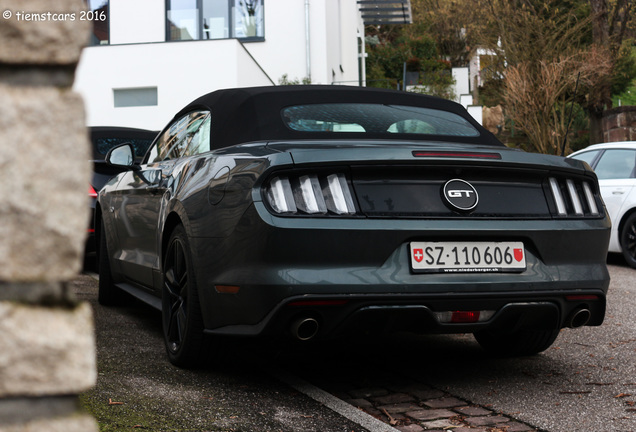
(149,58)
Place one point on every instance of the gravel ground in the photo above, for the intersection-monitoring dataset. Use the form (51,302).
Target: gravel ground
(137,388)
(585,382)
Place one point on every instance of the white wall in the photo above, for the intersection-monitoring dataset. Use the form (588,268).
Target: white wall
(477,112)
(322,25)
(138,56)
(352,29)
(341,38)
(137,21)
(332,42)
(462,83)
(283,51)
(181,71)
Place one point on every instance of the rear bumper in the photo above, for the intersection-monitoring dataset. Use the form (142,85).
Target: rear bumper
(343,315)
(363,265)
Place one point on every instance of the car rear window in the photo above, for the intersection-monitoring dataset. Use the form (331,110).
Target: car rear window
(376,119)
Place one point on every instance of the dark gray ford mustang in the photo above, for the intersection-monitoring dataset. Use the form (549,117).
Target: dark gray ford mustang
(319,211)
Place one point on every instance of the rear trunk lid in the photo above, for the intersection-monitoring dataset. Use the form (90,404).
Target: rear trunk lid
(409,179)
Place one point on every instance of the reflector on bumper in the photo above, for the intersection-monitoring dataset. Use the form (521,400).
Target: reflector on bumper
(465,317)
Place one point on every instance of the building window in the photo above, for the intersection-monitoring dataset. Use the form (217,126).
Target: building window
(135,97)
(214,19)
(248,18)
(98,14)
(183,20)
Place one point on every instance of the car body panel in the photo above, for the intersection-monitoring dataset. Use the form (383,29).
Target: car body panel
(619,198)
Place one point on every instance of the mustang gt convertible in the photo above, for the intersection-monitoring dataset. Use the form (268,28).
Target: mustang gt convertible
(324,211)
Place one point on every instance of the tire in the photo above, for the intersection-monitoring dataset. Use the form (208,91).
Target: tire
(628,240)
(516,344)
(181,311)
(107,293)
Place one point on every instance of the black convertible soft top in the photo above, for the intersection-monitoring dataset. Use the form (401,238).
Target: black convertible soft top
(242,115)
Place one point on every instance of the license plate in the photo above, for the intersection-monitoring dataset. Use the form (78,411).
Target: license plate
(467,257)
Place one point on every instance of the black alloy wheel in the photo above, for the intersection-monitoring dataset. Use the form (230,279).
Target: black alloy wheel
(628,240)
(182,319)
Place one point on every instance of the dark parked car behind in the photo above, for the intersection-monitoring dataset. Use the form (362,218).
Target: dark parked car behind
(318,211)
(104,138)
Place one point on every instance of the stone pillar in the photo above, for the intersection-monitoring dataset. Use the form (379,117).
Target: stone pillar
(619,124)
(48,349)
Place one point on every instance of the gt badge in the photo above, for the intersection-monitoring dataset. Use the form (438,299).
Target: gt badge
(460,195)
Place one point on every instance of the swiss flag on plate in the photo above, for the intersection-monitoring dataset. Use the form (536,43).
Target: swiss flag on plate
(518,254)
(418,255)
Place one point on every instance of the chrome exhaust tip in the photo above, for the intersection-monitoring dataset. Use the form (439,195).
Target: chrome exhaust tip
(305,329)
(579,318)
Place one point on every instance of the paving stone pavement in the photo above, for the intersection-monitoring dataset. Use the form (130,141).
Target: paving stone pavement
(417,407)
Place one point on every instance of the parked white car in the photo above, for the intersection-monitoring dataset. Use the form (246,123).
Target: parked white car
(615,166)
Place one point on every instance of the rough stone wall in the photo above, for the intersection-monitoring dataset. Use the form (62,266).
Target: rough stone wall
(619,124)
(48,349)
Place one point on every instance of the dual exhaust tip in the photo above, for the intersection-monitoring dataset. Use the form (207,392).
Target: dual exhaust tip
(305,329)
(579,318)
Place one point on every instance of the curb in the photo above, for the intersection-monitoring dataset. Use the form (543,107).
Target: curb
(344,409)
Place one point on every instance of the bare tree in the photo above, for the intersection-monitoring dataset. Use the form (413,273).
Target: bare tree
(540,41)
(608,31)
(538,97)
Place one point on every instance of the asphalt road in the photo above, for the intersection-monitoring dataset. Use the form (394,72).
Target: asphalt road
(138,389)
(585,382)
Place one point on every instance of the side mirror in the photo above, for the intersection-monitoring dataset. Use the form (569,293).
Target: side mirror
(121,156)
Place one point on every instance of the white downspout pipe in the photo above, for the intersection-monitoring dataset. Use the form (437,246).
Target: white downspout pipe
(307,41)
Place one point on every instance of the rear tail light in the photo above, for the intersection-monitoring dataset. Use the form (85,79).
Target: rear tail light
(589,197)
(310,194)
(573,198)
(91,192)
(558,198)
(338,195)
(280,196)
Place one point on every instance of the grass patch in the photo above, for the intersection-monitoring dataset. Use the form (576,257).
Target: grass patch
(114,416)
